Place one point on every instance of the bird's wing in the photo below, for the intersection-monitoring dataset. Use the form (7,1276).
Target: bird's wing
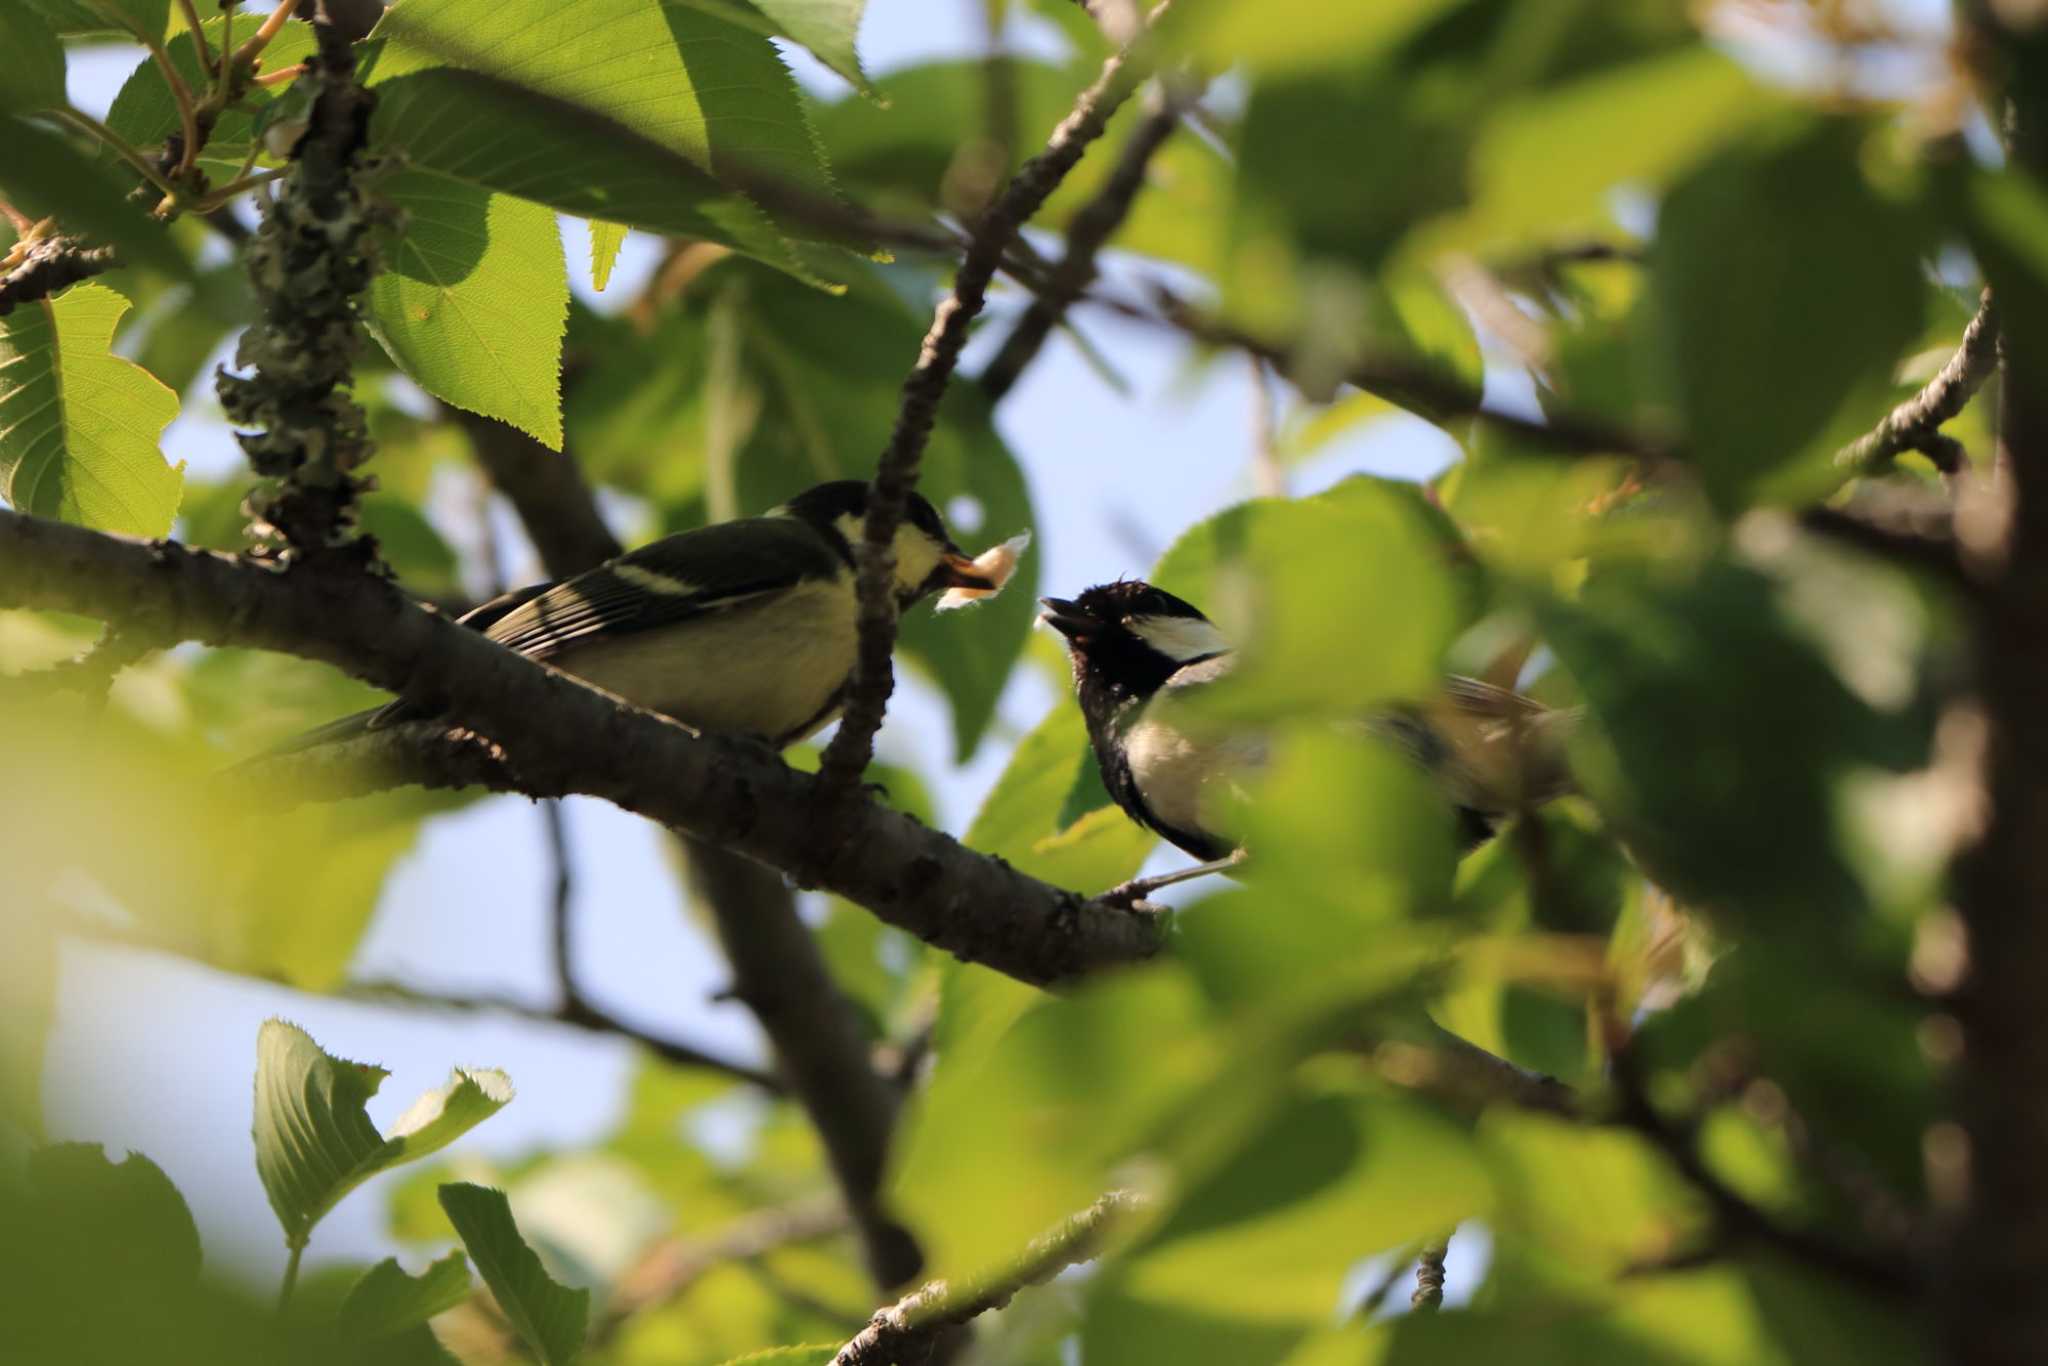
(668,582)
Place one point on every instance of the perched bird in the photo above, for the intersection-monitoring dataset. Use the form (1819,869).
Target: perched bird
(1136,648)
(747,626)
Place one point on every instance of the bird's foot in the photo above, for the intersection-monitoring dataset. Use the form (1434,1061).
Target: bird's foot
(1129,894)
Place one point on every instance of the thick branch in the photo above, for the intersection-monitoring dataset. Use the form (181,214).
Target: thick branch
(1089,231)
(38,269)
(1915,425)
(820,1043)
(561,736)
(846,758)
(905,1330)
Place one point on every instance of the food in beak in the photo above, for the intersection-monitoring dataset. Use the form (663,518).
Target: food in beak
(981,577)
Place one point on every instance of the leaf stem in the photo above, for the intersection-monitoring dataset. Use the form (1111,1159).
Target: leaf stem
(253,49)
(188,114)
(125,149)
(281,75)
(291,1264)
(206,61)
(224,70)
(216,198)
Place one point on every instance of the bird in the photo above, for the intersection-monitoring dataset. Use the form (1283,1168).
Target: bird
(1136,648)
(748,627)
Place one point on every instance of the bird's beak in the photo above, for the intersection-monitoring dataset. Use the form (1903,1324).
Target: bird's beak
(958,571)
(1069,619)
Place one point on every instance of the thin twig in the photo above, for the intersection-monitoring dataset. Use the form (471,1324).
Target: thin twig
(207,61)
(590,1019)
(1915,425)
(666,1270)
(120,146)
(561,895)
(260,39)
(846,758)
(1885,1277)
(1429,1276)
(1433,393)
(1091,228)
(905,1330)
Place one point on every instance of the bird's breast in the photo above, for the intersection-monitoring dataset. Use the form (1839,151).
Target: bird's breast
(1182,779)
(771,667)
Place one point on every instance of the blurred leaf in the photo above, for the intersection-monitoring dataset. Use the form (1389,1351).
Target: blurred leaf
(1023,819)
(549,1317)
(1546,164)
(1273,1234)
(1023,1120)
(387,1300)
(473,299)
(79,425)
(424,563)
(820,1355)
(31,63)
(1600,1200)
(605,241)
(1719,783)
(125,1217)
(145,113)
(45,176)
(1754,254)
(626,110)
(145,20)
(1303,582)
(187,324)
(1291,35)
(314,1139)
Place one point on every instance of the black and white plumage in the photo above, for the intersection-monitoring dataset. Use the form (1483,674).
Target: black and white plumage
(1137,649)
(749,626)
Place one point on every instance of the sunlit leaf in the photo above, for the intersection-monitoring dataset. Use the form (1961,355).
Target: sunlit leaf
(145,113)
(1024,820)
(43,176)
(605,241)
(78,424)
(473,299)
(387,1300)
(549,1317)
(314,1139)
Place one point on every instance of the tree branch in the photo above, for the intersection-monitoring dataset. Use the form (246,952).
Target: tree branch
(1088,232)
(1915,425)
(1429,1276)
(820,1043)
(846,758)
(907,1329)
(673,1265)
(549,492)
(39,268)
(559,736)
(591,1019)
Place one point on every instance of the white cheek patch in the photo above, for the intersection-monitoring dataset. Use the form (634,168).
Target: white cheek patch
(660,584)
(1181,638)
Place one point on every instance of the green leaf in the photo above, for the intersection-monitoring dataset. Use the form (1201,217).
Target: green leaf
(125,1217)
(1023,819)
(549,1317)
(144,111)
(473,299)
(314,1139)
(79,425)
(1754,254)
(632,111)
(1288,35)
(1300,582)
(145,20)
(605,241)
(826,27)
(386,1300)
(1545,163)
(31,63)
(1035,1101)
(45,175)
